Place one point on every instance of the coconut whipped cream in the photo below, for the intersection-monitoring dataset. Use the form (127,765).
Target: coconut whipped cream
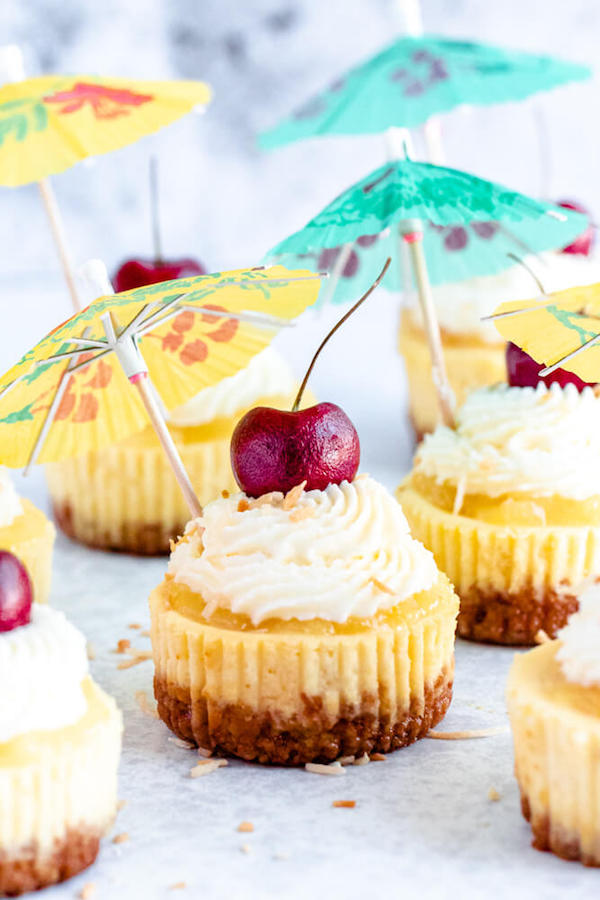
(540,441)
(460,305)
(579,652)
(345,551)
(42,666)
(267,375)
(10,502)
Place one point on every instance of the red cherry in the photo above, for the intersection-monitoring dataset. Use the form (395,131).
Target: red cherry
(524,371)
(135,273)
(16,592)
(583,242)
(274,450)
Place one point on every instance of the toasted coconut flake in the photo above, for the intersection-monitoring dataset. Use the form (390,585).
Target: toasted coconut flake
(245,827)
(459,497)
(121,838)
(346,760)
(145,704)
(243,505)
(225,494)
(206,766)
(178,886)
(180,743)
(87,891)
(122,646)
(344,804)
(467,735)
(204,751)
(541,637)
(172,545)
(362,760)
(493,795)
(292,496)
(382,587)
(325,769)
(137,656)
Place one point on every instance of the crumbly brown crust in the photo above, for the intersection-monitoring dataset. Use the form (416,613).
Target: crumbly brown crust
(514,619)
(546,836)
(310,736)
(143,540)
(29,871)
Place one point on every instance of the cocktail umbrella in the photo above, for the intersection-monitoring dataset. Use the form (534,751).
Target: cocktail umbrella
(417,77)
(453,252)
(69,394)
(48,124)
(560,330)
(400,195)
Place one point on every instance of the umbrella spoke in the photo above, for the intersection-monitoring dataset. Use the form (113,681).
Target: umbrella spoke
(560,362)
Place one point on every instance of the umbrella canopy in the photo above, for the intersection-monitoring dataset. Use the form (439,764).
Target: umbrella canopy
(560,330)
(415,78)
(69,394)
(453,252)
(48,124)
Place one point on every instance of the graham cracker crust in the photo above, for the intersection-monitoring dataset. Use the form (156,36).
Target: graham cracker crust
(144,539)
(30,872)
(513,619)
(309,736)
(555,840)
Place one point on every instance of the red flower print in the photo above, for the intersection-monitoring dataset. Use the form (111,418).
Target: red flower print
(172,342)
(87,409)
(194,352)
(105,102)
(66,405)
(183,322)
(102,376)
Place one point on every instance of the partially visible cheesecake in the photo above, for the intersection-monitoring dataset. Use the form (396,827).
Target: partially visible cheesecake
(554,708)
(28,534)
(60,739)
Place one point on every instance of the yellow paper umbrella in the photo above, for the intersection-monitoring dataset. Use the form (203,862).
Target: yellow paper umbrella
(560,330)
(48,124)
(69,394)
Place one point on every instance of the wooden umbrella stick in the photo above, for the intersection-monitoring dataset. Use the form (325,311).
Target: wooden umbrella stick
(414,240)
(144,388)
(60,239)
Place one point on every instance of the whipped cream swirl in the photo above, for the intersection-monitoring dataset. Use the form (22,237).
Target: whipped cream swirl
(266,375)
(42,666)
(542,441)
(579,652)
(460,305)
(333,554)
(10,502)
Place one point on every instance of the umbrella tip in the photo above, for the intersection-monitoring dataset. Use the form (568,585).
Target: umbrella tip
(94,280)
(12,67)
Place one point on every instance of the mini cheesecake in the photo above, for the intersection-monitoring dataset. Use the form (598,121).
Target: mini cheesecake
(303,627)
(125,497)
(60,738)
(473,349)
(28,534)
(509,504)
(554,707)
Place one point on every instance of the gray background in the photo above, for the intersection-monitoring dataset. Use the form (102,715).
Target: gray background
(223,200)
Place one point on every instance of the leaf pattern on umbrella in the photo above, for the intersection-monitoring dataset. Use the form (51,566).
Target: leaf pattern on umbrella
(20,117)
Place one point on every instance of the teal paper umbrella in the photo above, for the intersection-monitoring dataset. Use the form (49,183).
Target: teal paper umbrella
(404,195)
(453,253)
(416,78)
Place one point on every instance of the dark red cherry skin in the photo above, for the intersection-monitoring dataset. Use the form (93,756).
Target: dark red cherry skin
(274,450)
(584,241)
(16,592)
(523,371)
(135,273)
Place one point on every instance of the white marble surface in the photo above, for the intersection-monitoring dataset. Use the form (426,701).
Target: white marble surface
(423,823)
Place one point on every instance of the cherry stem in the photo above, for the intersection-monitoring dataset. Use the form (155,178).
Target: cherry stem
(154,209)
(337,325)
(528,269)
